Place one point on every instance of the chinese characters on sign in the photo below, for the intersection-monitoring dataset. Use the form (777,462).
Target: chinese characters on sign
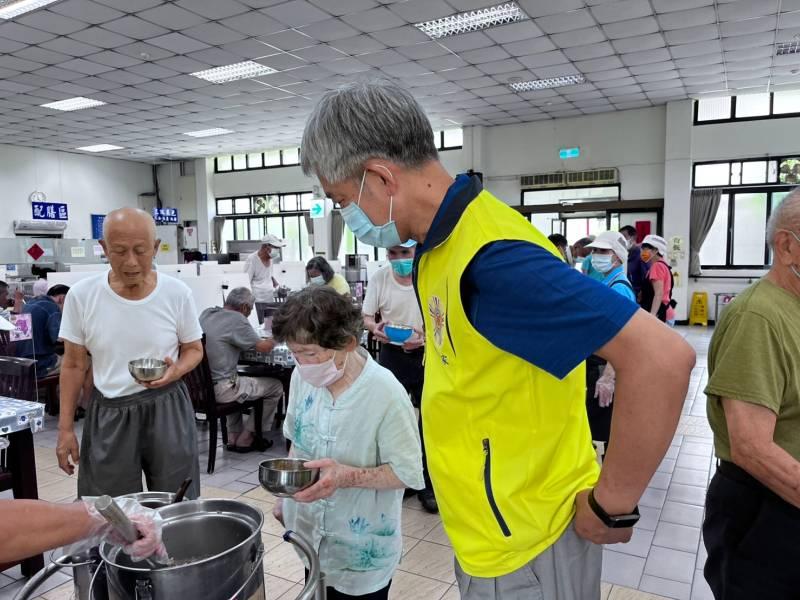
(165,216)
(50,211)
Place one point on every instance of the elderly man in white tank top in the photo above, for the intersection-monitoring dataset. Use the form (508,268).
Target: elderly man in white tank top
(127,313)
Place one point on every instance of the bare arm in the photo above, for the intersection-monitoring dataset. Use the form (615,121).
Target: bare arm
(71,380)
(266,346)
(648,398)
(751,429)
(29,527)
(658,293)
(375,328)
(334,476)
(191,353)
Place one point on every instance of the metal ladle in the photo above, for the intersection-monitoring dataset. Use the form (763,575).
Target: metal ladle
(112,513)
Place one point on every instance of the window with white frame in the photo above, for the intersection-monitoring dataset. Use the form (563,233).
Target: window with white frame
(765,105)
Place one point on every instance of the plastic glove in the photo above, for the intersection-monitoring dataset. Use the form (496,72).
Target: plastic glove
(604,391)
(146,520)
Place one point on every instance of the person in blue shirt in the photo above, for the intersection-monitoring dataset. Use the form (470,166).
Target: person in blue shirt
(637,269)
(45,311)
(609,256)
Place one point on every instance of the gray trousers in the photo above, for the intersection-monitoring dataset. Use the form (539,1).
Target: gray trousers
(151,432)
(567,570)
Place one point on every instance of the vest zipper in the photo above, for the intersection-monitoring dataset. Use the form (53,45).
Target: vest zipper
(487,482)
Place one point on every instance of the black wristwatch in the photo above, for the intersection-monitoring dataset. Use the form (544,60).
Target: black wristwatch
(613,521)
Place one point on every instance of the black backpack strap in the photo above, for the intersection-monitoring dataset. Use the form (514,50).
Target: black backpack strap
(622,281)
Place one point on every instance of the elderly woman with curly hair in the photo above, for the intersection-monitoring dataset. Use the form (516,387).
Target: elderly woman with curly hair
(351,418)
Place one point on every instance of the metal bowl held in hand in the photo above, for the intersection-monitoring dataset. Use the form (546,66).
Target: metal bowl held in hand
(284,477)
(147,369)
(215,549)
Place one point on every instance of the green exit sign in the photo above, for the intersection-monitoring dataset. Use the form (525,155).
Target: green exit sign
(565,153)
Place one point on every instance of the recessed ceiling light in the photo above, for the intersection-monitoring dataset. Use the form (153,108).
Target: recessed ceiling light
(788,48)
(243,70)
(543,84)
(100,148)
(9,10)
(208,132)
(73,104)
(474,20)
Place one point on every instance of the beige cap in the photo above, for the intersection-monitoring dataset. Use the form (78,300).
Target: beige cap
(657,242)
(612,240)
(273,240)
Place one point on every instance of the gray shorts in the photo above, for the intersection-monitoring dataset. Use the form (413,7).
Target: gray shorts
(244,389)
(151,432)
(567,570)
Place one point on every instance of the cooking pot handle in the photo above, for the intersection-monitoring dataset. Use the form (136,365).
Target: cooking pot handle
(315,584)
(256,567)
(39,578)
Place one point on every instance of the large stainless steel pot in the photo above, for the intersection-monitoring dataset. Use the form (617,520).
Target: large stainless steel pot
(152,499)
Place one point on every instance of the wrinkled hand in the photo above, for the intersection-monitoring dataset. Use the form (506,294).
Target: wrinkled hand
(589,526)
(277,511)
(170,376)
(332,476)
(604,391)
(18,296)
(378,333)
(67,448)
(417,340)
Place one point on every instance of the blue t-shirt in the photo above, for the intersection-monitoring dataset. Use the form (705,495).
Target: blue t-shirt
(46,321)
(618,281)
(531,304)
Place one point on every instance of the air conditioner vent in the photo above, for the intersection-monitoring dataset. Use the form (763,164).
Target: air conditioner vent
(569,179)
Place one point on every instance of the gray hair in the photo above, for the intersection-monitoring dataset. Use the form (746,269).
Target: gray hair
(240,297)
(361,121)
(786,216)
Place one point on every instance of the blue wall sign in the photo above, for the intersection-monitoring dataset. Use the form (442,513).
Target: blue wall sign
(565,153)
(51,211)
(97,226)
(165,216)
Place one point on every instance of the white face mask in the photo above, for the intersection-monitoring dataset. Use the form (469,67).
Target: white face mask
(602,262)
(318,280)
(322,374)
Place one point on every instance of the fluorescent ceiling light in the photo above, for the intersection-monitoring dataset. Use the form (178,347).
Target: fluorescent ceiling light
(543,84)
(208,132)
(73,104)
(788,47)
(243,70)
(9,10)
(474,20)
(100,148)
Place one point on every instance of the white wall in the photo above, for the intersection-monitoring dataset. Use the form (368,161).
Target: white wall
(87,184)
(747,139)
(178,191)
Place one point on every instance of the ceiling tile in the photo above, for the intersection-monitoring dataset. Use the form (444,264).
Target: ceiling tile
(18,64)
(545,59)
(541,8)
(103,38)
(135,27)
(171,16)
(555,71)
(501,66)
(753,53)
(439,63)
(177,43)
(611,12)
(639,43)
(215,9)
(377,19)
(319,53)
(690,35)
(599,64)
(648,56)
(634,27)
(86,11)
(658,76)
(51,22)
(740,42)
(359,44)
(483,55)
(579,37)
(12,46)
(392,57)
(282,62)
(566,21)
(514,32)
(330,30)
(407,69)
(415,11)
(711,47)
(22,33)
(288,40)
(682,18)
(144,51)
(663,6)
(152,71)
(424,50)
(124,77)
(608,75)
(467,41)
(748,26)
(589,51)
(86,67)
(214,34)
(250,48)
(746,9)
(401,36)
(343,7)
(532,46)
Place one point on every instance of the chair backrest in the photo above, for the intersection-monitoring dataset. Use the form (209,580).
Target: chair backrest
(6,345)
(18,378)
(201,386)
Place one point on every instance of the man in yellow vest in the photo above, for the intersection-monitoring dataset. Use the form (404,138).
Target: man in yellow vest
(508,326)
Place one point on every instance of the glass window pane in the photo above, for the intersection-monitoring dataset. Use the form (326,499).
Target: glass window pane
(292,238)
(258,228)
(288,202)
(716,174)
(240,227)
(772,171)
(291,156)
(711,109)
(305,201)
(273,204)
(749,237)
(582,194)
(306,251)
(255,161)
(714,249)
(547,223)
(752,105)
(272,158)
(736,173)
(260,205)
(348,245)
(227,234)
(224,163)
(275,226)
(242,206)
(789,171)
(754,171)
(225,207)
(453,138)
(786,102)
(239,162)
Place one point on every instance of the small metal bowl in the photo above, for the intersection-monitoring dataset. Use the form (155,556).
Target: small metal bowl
(284,477)
(147,369)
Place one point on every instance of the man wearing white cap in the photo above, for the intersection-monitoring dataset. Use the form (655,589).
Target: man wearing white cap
(258,267)
(609,257)
(657,288)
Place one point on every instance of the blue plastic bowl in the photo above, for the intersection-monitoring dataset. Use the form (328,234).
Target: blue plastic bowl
(398,334)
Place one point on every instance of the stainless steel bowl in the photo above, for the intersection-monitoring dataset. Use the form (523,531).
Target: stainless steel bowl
(284,477)
(147,369)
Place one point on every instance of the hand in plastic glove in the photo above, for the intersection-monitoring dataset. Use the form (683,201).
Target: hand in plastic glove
(604,391)
(146,520)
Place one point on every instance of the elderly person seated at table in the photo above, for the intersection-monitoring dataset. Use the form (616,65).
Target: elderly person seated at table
(45,310)
(352,419)
(228,334)
(320,272)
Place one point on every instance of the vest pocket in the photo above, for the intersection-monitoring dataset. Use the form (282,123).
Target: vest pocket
(487,483)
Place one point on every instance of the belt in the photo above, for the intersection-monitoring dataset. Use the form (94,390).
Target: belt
(738,474)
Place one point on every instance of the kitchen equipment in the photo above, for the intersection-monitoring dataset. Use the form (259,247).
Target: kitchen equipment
(112,513)
(152,499)
(398,334)
(284,477)
(147,369)
(182,491)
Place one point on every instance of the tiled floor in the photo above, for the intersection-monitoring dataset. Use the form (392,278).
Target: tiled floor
(663,560)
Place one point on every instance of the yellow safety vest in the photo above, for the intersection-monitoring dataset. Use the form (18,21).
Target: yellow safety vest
(508,445)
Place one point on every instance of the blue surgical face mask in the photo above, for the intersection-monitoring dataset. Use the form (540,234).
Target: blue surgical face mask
(383,236)
(403,266)
(318,280)
(602,262)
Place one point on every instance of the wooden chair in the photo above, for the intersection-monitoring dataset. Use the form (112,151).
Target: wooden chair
(49,388)
(201,391)
(6,345)
(18,378)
